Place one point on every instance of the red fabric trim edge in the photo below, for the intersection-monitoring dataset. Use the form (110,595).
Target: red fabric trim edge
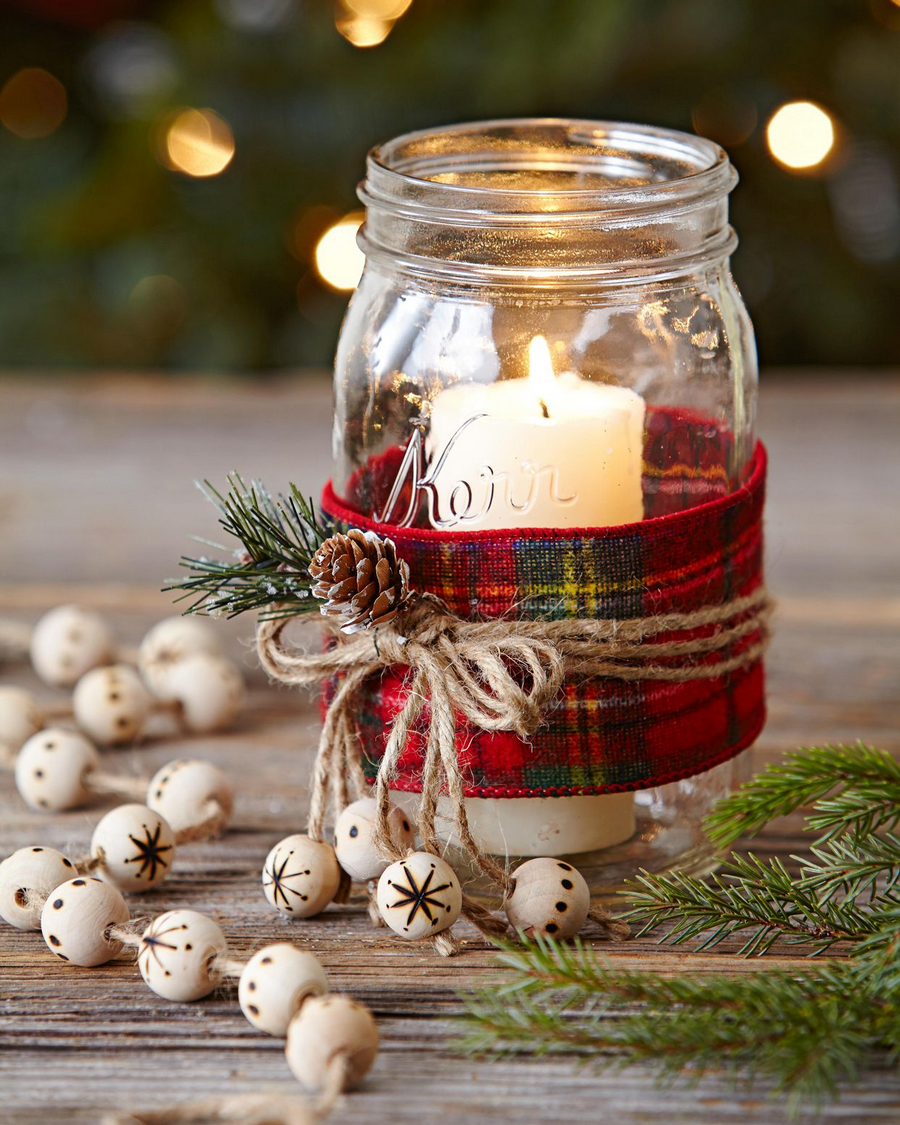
(495,791)
(334,507)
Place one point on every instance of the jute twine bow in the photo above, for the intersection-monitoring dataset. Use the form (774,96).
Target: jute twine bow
(497,675)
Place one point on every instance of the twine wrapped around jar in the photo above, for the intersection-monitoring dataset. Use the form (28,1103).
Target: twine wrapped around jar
(498,675)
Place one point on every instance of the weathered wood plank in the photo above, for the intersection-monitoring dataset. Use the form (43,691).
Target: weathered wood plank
(94,504)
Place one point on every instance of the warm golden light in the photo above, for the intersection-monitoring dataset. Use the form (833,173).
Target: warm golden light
(380,9)
(540,374)
(33,103)
(199,143)
(339,261)
(362,31)
(800,135)
(366,23)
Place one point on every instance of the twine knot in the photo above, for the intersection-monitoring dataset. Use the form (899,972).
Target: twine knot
(497,679)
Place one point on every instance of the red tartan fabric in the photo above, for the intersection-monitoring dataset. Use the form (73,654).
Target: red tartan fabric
(606,735)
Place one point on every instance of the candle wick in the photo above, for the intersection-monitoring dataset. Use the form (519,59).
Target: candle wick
(544,409)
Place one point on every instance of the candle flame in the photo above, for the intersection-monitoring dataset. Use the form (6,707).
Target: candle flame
(541,378)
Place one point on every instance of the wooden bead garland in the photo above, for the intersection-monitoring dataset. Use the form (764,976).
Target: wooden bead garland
(354,839)
(549,897)
(67,642)
(274,984)
(419,896)
(52,767)
(77,917)
(132,848)
(111,704)
(27,877)
(183,956)
(60,769)
(301,876)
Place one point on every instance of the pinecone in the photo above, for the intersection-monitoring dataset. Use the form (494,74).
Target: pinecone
(361,577)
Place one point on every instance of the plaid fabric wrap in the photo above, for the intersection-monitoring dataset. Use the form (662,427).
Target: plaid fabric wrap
(605,735)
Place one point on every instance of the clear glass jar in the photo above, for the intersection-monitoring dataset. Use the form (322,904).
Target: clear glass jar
(612,243)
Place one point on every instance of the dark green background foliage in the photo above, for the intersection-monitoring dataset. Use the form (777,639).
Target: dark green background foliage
(89,211)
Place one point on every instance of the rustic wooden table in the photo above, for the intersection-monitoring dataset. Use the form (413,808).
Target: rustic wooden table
(96,505)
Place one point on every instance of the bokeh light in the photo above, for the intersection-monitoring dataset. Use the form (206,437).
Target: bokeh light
(199,143)
(132,66)
(366,23)
(339,261)
(800,135)
(380,9)
(259,16)
(33,103)
(362,31)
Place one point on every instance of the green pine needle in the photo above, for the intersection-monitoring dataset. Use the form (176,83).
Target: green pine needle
(268,569)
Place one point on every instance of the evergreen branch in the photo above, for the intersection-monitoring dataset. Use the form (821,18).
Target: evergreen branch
(749,895)
(806,1031)
(810,775)
(269,569)
(804,1034)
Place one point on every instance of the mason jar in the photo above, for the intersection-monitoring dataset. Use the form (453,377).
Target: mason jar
(525,281)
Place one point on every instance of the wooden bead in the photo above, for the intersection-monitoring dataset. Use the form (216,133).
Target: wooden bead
(75,919)
(26,878)
(136,846)
(169,642)
(354,838)
(182,792)
(209,688)
(51,768)
(275,983)
(20,716)
(548,897)
(111,704)
(178,953)
(301,876)
(327,1026)
(67,642)
(419,896)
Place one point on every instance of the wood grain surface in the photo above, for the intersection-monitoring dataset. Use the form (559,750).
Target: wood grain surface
(96,504)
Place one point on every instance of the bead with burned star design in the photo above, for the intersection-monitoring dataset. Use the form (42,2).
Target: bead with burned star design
(419,896)
(179,955)
(301,876)
(136,847)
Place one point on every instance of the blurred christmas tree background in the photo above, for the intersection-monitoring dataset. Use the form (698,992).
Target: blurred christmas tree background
(170,173)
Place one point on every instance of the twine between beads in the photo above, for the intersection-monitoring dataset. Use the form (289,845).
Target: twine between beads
(498,675)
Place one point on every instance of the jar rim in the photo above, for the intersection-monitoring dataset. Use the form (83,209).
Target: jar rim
(631,167)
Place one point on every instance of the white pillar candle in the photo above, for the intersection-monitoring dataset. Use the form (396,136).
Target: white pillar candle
(536,452)
(552,452)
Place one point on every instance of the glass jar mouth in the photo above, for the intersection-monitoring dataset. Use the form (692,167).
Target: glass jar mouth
(547,166)
(540,202)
